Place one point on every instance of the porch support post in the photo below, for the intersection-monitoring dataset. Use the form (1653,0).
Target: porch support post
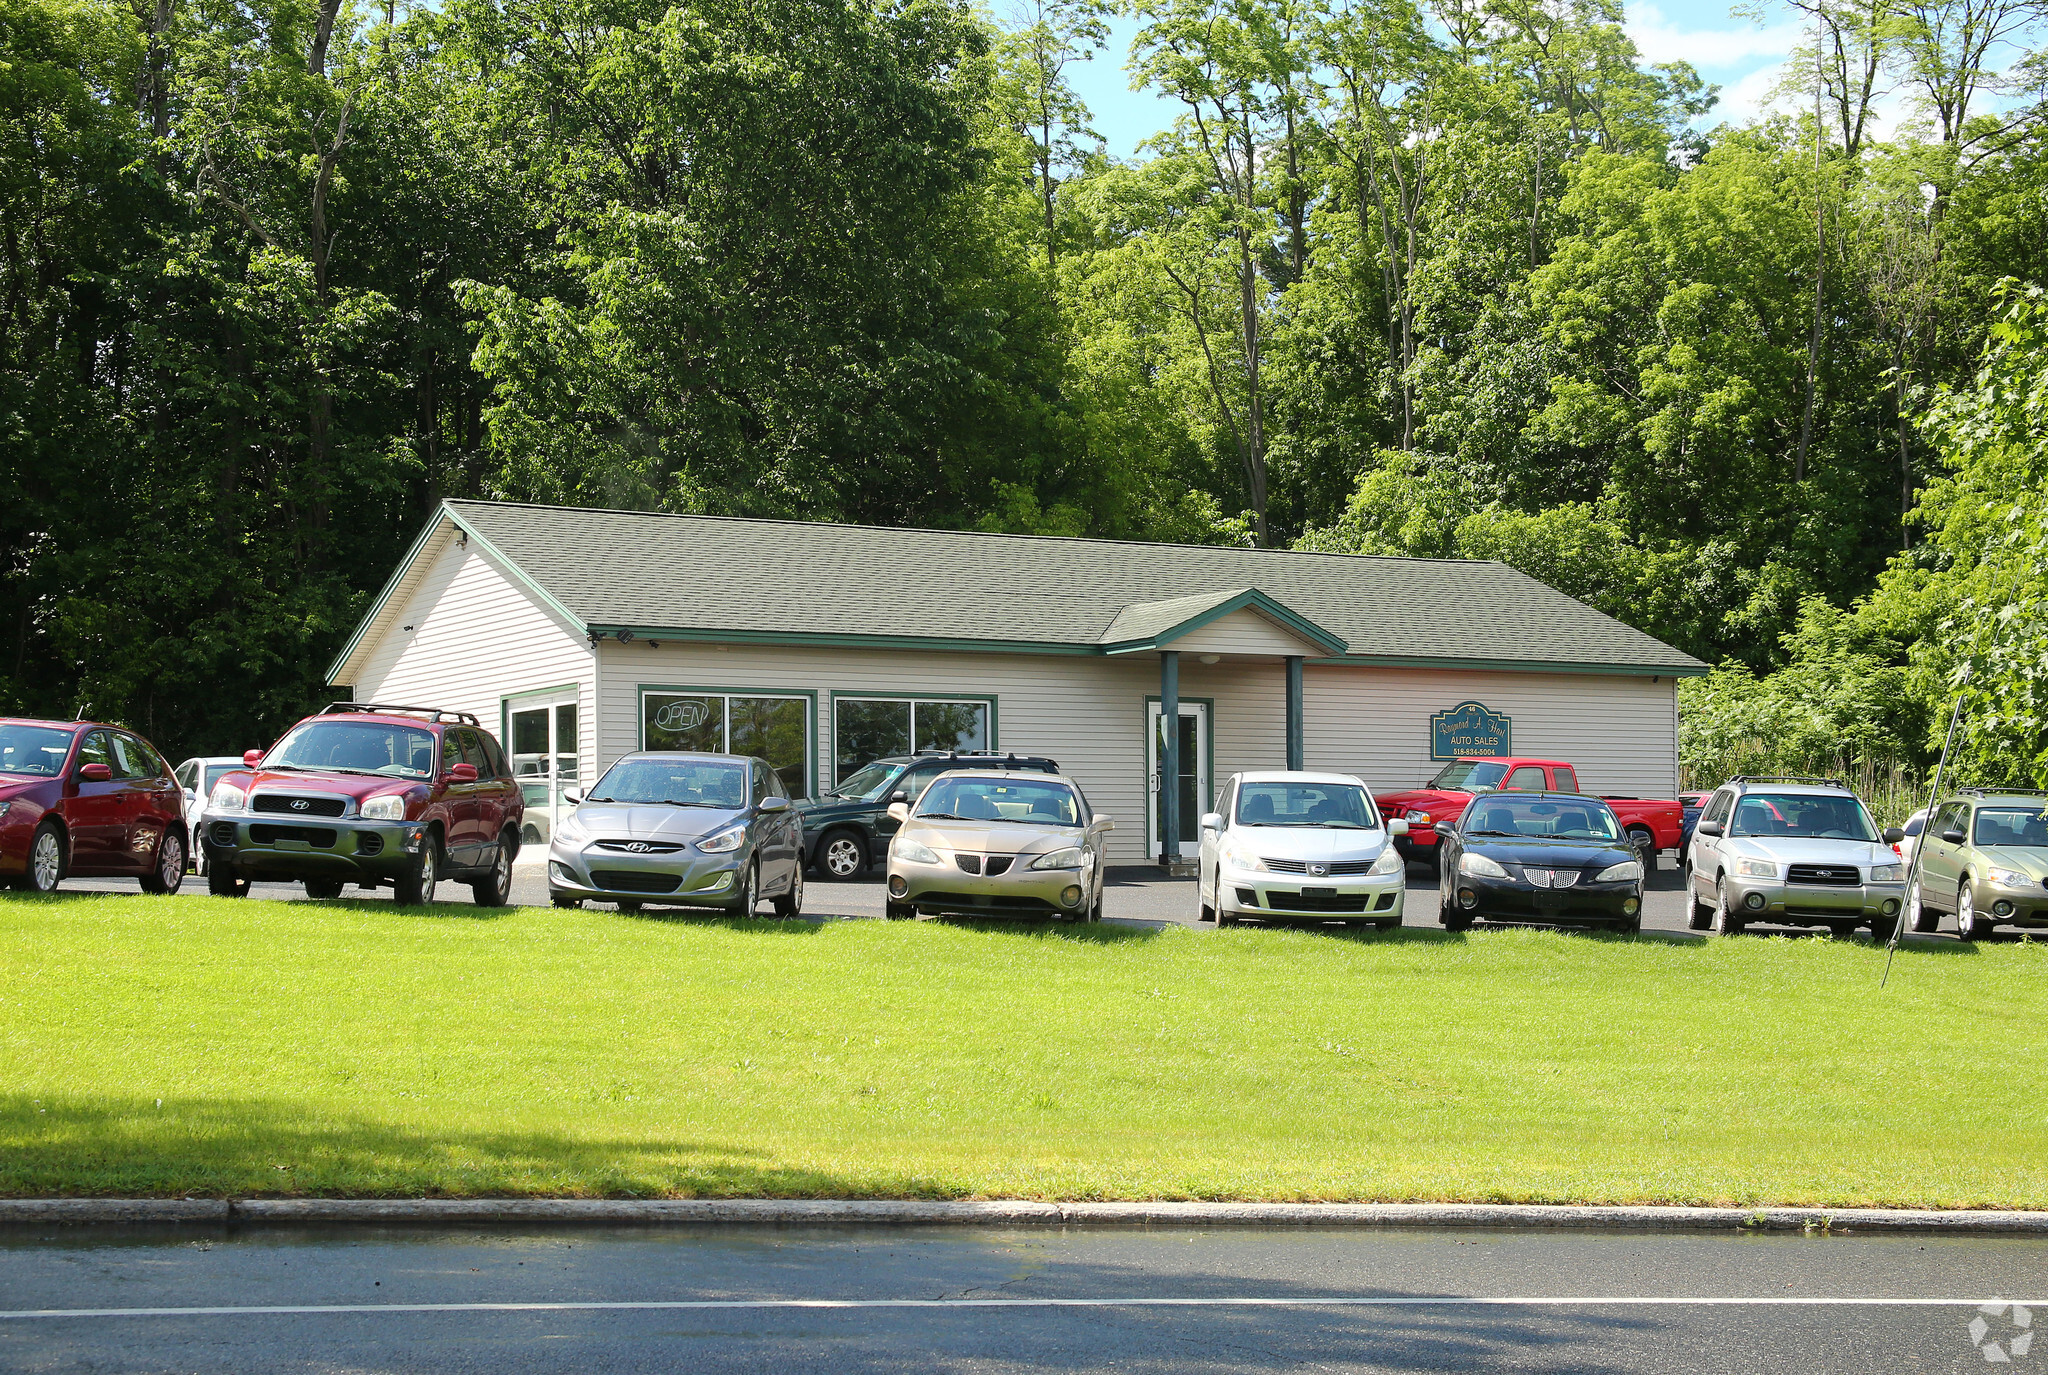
(1169,756)
(1294,713)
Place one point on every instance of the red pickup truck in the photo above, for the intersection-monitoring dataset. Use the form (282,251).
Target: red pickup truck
(1652,824)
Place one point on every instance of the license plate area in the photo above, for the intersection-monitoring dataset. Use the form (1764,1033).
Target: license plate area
(1319,892)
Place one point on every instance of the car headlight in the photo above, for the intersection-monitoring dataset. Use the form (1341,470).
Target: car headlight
(2006,878)
(570,829)
(5,808)
(1625,872)
(226,798)
(910,852)
(1389,862)
(1756,868)
(1242,859)
(389,807)
(1069,858)
(1479,866)
(1417,818)
(1887,873)
(725,842)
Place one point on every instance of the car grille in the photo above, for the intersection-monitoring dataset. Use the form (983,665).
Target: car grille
(312,835)
(1551,878)
(295,804)
(976,864)
(1833,875)
(641,847)
(1318,902)
(1301,866)
(632,881)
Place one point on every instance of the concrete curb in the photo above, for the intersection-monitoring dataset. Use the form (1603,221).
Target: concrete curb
(1002,1212)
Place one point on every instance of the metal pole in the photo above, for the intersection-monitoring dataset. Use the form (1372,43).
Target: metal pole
(1910,907)
(1169,756)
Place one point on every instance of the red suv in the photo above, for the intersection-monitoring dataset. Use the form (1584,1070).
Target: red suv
(371,795)
(84,800)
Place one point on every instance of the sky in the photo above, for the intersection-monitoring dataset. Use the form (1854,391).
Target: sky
(1739,56)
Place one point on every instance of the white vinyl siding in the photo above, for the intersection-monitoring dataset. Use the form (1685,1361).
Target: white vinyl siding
(1241,632)
(477,637)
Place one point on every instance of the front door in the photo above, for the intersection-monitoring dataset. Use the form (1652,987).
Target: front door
(1193,783)
(544,760)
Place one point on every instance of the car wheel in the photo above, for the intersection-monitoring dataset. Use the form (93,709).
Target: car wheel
(1882,929)
(225,883)
(168,874)
(565,900)
(750,891)
(843,857)
(629,906)
(45,859)
(1725,922)
(1969,926)
(1842,928)
(899,911)
(791,904)
(416,888)
(1207,911)
(1698,915)
(496,890)
(324,889)
(1919,916)
(1455,919)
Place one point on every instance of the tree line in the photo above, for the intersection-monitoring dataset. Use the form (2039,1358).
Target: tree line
(1464,278)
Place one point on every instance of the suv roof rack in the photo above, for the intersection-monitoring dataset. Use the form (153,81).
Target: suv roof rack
(1789,778)
(1007,761)
(2003,792)
(434,714)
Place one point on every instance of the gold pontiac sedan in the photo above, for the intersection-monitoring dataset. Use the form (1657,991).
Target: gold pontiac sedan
(997,844)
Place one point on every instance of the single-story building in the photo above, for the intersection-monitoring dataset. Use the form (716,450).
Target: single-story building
(587,634)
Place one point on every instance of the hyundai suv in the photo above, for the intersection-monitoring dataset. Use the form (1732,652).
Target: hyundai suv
(1984,857)
(847,828)
(377,796)
(1792,852)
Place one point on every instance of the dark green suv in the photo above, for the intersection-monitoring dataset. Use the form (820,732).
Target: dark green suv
(845,829)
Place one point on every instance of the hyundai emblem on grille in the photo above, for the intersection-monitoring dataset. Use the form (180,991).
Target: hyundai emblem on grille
(638,847)
(301,805)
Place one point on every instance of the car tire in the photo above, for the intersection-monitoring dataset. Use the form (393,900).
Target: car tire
(898,911)
(750,892)
(629,906)
(1455,920)
(225,883)
(1844,928)
(791,904)
(324,889)
(842,856)
(46,859)
(1225,917)
(1725,922)
(167,871)
(1699,916)
(565,900)
(1882,929)
(417,886)
(496,890)
(1206,911)
(1969,926)
(1919,916)
(1095,908)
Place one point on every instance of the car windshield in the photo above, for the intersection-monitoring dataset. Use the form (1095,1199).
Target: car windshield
(676,782)
(867,783)
(1341,805)
(356,747)
(1467,774)
(1579,819)
(1803,815)
(2012,826)
(35,750)
(1001,799)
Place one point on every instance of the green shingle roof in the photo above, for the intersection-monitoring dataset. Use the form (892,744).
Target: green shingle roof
(723,577)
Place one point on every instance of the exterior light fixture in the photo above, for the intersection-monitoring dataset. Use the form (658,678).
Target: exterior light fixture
(1209,658)
(625,637)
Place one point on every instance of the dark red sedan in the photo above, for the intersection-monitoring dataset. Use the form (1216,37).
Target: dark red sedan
(84,800)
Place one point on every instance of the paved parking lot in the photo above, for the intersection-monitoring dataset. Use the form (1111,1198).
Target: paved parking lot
(1137,893)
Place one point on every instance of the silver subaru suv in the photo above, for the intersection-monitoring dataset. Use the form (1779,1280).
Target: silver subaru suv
(1792,852)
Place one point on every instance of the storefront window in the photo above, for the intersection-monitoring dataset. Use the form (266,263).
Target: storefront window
(868,728)
(776,729)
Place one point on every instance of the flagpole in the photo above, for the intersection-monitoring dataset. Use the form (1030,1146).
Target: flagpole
(1911,908)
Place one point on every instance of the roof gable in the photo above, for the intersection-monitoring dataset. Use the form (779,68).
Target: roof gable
(1155,625)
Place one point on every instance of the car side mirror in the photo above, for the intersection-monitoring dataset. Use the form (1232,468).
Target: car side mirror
(1212,821)
(1103,823)
(898,796)
(462,773)
(774,804)
(1707,828)
(899,811)
(1893,835)
(1397,827)
(191,796)
(251,758)
(1954,837)
(95,773)
(574,797)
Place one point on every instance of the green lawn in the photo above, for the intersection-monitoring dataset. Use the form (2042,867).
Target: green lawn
(205,1046)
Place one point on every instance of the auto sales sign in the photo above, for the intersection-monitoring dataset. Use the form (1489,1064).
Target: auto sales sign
(1469,731)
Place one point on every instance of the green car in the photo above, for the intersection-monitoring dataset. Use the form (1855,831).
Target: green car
(1984,857)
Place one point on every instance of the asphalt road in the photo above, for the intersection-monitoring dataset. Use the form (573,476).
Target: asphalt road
(856,1299)
(1138,894)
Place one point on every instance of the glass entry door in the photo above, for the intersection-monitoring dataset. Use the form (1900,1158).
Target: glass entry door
(544,761)
(1193,784)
